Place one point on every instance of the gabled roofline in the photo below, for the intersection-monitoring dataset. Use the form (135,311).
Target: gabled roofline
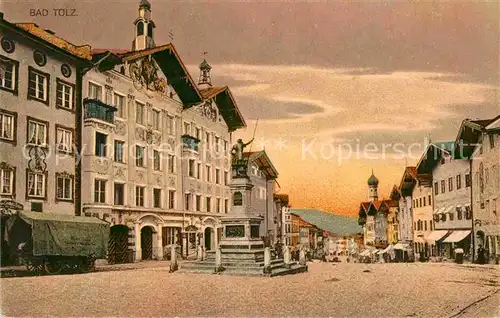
(214,93)
(257,154)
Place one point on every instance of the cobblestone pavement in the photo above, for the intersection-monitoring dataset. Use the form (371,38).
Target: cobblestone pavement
(341,289)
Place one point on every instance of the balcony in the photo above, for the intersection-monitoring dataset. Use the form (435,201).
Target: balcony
(190,143)
(96,109)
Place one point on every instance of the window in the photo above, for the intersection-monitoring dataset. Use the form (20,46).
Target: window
(140,28)
(468,180)
(100,191)
(198,171)
(95,91)
(209,204)
(119,145)
(187,201)
(198,202)
(139,113)
(450,184)
(38,87)
(157,198)
(225,146)
(171,199)
(217,205)
(156,119)
(425,203)
(198,133)
(171,125)
(191,168)
(452,216)
(443,187)
(436,188)
(492,141)
(100,144)
(420,202)
(226,205)
(187,128)
(459,182)
(139,196)
(119,194)
(156,160)
(207,139)
(64,139)
(170,235)
(8,73)
(139,156)
(64,95)
(120,105)
(7,126)
(37,133)
(64,189)
(208,173)
(226,178)
(430,201)
(217,144)
(217,176)
(171,163)
(425,225)
(7,181)
(459,213)
(36,185)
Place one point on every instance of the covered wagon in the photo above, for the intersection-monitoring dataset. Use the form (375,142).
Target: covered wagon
(52,242)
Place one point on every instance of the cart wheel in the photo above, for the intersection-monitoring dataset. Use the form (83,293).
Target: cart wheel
(53,266)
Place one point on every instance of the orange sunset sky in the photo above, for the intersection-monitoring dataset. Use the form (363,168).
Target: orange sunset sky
(319,75)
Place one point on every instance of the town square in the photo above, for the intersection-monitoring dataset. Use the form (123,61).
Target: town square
(253,159)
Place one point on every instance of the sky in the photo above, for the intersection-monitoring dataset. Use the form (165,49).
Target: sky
(339,88)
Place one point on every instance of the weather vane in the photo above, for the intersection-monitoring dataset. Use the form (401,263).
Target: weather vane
(171,35)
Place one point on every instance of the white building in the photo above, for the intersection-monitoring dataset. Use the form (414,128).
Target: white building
(157,156)
(452,213)
(263,175)
(40,84)
(286,238)
(480,140)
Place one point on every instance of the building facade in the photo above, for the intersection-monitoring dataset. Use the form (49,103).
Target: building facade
(263,175)
(286,226)
(40,80)
(158,144)
(480,140)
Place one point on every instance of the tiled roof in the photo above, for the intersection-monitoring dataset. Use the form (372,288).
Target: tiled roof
(83,51)
(212,91)
(412,171)
(282,197)
(114,51)
(262,160)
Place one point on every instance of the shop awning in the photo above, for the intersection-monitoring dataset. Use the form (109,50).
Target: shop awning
(400,246)
(456,236)
(436,235)
(385,250)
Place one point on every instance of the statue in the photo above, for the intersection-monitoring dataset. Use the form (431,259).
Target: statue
(237,150)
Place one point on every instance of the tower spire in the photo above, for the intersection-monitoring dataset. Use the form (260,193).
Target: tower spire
(204,80)
(143,28)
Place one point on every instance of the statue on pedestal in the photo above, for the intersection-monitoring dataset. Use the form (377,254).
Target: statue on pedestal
(237,150)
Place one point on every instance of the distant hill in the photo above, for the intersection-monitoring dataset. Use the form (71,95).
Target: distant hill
(337,224)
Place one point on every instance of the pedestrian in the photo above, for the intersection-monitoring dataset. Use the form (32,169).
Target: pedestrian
(481,255)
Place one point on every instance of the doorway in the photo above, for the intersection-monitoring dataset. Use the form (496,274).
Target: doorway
(147,243)
(118,245)
(208,239)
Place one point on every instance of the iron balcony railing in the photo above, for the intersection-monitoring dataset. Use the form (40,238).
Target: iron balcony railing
(94,108)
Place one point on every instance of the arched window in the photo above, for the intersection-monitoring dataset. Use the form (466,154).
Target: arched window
(150,30)
(237,199)
(140,28)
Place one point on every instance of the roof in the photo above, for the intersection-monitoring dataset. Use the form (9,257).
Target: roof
(395,193)
(409,179)
(336,224)
(470,130)
(372,180)
(281,197)
(227,106)
(432,155)
(48,38)
(376,206)
(174,69)
(264,163)
(60,217)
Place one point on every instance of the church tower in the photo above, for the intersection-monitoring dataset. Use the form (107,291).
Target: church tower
(204,80)
(372,188)
(143,28)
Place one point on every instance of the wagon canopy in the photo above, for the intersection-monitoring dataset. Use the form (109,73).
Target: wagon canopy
(62,235)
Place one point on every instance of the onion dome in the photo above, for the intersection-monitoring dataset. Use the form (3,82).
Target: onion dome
(372,181)
(145,4)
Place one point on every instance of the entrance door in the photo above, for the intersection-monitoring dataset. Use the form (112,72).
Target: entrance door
(118,245)
(147,243)
(208,239)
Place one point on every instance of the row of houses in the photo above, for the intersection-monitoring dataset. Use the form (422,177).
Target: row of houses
(125,135)
(449,200)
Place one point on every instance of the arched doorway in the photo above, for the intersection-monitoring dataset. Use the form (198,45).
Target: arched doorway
(147,242)
(209,238)
(118,245)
